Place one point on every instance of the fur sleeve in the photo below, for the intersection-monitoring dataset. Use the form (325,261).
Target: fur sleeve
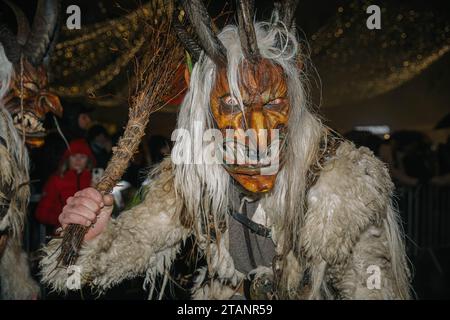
(351,229)
(6,181)
(142,240)
(373,271)
(16,281)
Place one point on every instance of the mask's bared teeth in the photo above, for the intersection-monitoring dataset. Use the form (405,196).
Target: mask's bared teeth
(253,154)
(228,153)
(240,153)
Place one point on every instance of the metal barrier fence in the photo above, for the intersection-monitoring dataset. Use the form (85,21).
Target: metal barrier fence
(425,212)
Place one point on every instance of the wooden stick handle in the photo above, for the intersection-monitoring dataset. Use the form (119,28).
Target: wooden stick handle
(127,146)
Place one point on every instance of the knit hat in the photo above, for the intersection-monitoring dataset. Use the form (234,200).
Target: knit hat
(79,146)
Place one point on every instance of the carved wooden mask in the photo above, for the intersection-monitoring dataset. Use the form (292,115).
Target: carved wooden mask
(37,101)
(263,90)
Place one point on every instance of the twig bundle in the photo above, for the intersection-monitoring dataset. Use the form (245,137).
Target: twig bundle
(155,83)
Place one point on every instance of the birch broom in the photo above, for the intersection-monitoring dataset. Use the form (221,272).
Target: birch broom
(156,77)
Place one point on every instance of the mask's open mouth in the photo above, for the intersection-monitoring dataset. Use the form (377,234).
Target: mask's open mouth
(242,159)
(250,170)
(30,124)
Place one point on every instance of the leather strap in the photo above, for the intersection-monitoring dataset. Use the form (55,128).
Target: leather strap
(254,227)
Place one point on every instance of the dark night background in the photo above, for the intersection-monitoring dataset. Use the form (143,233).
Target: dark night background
(356,68)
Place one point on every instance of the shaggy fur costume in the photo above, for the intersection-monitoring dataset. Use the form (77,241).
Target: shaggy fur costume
(15,279)
(350,225)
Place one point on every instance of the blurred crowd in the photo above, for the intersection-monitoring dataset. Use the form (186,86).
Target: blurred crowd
(411,156)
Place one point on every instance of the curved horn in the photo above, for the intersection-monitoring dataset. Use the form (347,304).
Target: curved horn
(183,35)
(43,31)
(202,24)
(23,26)
(286,11)
(247,32)
(10,45)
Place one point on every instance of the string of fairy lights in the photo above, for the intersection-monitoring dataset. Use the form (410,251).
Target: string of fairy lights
(92,57)
(354,63)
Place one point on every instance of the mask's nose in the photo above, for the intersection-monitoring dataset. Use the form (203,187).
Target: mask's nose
(258,124)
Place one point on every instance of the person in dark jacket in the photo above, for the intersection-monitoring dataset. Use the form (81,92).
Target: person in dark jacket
(101,144)
(76,121)
(73,175)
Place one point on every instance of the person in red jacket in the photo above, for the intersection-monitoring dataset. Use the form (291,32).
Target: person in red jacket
(74,174)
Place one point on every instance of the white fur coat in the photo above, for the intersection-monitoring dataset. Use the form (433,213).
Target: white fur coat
(351,243)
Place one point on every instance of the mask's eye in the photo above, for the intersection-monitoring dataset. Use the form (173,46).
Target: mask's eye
(230,101)
(276,103)
(229,104)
